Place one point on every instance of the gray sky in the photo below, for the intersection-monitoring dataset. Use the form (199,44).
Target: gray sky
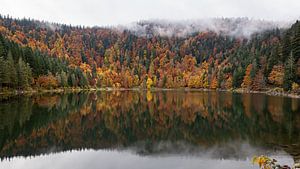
(113,12)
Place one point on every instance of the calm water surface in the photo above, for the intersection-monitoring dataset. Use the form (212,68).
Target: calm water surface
(147,130)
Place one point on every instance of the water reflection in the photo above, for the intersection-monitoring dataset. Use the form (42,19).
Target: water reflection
(127,159)
(150,123)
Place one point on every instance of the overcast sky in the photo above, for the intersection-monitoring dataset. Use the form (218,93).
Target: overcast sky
(114,12)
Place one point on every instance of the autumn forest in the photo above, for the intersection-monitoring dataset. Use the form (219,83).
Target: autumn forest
(36,54)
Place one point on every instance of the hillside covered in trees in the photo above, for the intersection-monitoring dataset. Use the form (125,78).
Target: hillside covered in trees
(37,54)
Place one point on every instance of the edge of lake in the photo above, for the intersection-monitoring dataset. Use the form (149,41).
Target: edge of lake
(270,91)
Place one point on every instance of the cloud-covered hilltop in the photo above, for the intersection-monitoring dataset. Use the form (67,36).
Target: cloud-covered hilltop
(237,27)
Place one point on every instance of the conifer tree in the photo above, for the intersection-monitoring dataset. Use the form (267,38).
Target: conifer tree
(2,71)
(64,79)
(23,74)
(12,79)
(289,73)
(296,44)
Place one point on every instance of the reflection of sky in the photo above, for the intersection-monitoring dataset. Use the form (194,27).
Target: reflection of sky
(115,160)
(112,159)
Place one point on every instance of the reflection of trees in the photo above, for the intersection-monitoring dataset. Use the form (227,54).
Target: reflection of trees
(110,119)
(23,115)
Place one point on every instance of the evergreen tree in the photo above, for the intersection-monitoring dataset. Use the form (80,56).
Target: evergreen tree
(12,80)
(286,47)
(238,75)
(29,74)
(64,79)
(83,81)
(72,80)
(254,69)
(272,60)
(58,78)
(296,43)
(2,71)
(6,74)
(3,47)
(23,74)
(289,73)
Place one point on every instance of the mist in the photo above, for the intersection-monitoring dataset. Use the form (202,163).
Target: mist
(236,27)
(229,150)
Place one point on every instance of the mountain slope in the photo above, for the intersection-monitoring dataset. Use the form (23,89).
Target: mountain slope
(123,57)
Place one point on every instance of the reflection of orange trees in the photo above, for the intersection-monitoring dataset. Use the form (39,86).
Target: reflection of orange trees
(246,98)
(47,101)
(276,111)
(112,118)
(86,109)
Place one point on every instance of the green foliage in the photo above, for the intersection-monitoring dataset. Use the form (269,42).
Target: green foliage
(11,69)
(21,65)
(24,74)
(64,79)
(238,75)
(289,73)
(295,44)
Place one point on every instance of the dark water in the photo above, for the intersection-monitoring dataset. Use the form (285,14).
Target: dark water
(144,130)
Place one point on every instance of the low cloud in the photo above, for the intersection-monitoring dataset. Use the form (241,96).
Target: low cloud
(237,27)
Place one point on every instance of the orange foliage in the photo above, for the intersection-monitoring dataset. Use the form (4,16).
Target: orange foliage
(47,82)
(247,79)
(276,75)
(214,83)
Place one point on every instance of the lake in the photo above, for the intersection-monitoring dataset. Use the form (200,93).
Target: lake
(147,130)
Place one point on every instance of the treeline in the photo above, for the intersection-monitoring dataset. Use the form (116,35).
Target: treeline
(76,56)
(22,68)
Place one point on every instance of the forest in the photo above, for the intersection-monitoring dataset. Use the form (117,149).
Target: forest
(38,54)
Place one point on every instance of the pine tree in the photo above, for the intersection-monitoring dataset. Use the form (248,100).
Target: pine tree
(2,47)
(29,74)
(12,79)
(64,79)
(2,71)
(296,44)
(289,73)
(23,74)
(238,75)
(286,47)
(6,74)
(58,78)
(72,80)
(272,60)
(83,82)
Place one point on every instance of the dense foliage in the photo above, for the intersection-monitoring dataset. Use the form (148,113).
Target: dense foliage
(21,67)
(62,56)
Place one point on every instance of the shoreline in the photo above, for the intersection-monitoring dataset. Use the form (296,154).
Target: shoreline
(269,92)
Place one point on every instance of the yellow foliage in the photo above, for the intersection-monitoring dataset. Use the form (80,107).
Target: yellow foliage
(149,83)
(194,82)
(205,84)
(85,68)
(228,83)
(295,87)
(264,162)
(136,80)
